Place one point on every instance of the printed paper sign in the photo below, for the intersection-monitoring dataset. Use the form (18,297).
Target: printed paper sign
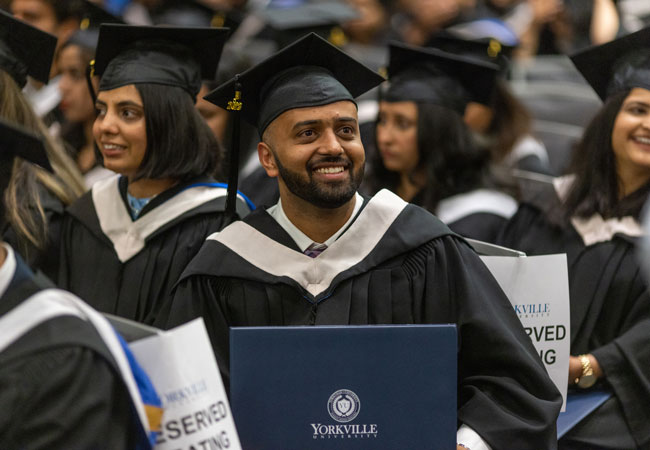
(182,368)
(538,288)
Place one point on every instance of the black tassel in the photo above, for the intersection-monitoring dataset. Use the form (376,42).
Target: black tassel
(235,106)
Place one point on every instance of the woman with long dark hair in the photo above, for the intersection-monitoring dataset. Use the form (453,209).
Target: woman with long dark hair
(127,241)
(426,154)
(593,215)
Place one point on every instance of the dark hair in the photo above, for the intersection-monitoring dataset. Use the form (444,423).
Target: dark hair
(510,121)
(179,143)
(596,185)
(453,162)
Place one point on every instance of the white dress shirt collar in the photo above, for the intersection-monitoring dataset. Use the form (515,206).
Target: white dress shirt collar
(301,239)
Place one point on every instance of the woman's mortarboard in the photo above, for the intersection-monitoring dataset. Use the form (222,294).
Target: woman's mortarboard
(309,72)
(16,141)
(25,50)
(169,56)
(617,66)
(429,75)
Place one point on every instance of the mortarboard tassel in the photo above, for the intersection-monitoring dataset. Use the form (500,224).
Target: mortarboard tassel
(90,73)
(235,106)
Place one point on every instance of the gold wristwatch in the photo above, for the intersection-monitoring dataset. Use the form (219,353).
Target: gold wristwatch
(587,379)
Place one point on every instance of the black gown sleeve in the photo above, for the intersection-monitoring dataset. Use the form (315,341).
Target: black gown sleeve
(199,296)
(625,360)
(67,397)
(480,226)
(66,236)
(504,392)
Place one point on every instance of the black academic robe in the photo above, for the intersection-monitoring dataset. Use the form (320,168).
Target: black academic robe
(46,259)
(479,214)
(60,386)
(610,318)
(396,264)
(127,267)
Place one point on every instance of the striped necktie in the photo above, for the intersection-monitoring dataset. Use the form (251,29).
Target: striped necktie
(315,249)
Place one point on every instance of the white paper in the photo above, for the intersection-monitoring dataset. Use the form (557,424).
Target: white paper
(538,288)
(182,368)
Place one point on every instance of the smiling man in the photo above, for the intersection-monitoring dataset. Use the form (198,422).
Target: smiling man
(326,255)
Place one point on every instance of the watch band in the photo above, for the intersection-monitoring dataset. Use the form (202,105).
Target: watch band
(587,370)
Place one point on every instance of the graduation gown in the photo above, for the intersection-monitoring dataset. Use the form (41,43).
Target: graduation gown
(610,314)
(395,264)
(59,384)
(479,214)
(127,267)
(45,260)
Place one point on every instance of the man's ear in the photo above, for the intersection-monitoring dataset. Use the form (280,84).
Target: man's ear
(267,159)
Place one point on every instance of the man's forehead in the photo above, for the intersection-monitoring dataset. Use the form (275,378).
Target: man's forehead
(343,110)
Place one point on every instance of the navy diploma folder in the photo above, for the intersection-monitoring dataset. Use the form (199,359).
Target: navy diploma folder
(578,406)
(344,387)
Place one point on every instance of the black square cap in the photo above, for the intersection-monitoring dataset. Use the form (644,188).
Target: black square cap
(429,75)
(171,56)
(486,28)
(304,14)
(16,141)
(292,19)
(486,49)
(618,65)
(93,15)
(25,50)
(88,33)
(196,13)
(309,72)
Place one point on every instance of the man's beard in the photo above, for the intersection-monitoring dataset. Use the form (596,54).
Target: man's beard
(322,194)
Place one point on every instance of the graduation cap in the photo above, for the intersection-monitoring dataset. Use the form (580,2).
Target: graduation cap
(292,19)
(169,56)
(429,75)
(16,141)
(25,50)
(618,65)
(196,13)
(489,28)
(489,50)
(94,15)
(309,72)
(88,33)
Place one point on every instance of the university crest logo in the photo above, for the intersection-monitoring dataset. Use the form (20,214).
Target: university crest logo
(343,405)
